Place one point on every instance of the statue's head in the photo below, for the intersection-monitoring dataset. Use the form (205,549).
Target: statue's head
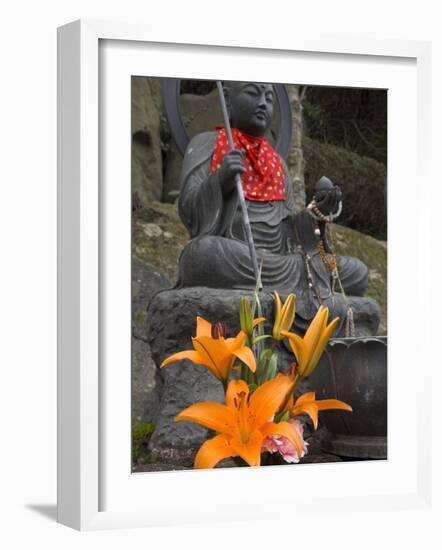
(250,106)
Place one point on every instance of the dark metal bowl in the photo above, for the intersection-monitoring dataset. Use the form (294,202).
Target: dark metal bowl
(354,370)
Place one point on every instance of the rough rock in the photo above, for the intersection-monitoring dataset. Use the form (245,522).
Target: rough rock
(146,384)
(158,237)
(146,280)
(171,316)
(147,170)
(184,384)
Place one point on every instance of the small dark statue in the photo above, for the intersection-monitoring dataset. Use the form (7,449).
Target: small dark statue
(292,246)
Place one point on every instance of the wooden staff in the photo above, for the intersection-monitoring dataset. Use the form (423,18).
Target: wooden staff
(239,189)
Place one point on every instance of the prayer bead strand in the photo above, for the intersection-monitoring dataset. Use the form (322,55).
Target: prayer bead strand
(316,214)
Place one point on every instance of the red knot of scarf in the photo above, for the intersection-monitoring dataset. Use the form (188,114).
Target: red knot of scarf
(263,179)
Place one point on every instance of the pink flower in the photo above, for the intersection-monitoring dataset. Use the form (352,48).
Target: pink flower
(281,445)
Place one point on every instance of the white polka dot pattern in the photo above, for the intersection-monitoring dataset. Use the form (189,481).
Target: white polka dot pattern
(263,179)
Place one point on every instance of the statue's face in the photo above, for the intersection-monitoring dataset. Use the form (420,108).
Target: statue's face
(251,107)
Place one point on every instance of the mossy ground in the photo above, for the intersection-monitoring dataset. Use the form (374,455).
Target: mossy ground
(140,438)
(348,242)
(163,249)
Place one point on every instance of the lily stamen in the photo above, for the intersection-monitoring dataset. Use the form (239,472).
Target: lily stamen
(219,330)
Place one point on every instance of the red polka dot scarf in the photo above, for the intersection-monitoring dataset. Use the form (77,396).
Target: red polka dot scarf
(263,179)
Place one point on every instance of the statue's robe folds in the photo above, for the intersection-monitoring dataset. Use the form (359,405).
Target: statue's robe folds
(218,255)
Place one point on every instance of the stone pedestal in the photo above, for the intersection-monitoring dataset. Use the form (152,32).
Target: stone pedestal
(171,322)
(357,447)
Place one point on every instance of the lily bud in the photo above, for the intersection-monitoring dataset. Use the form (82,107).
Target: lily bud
(309,349)
(245,316)
(284,315)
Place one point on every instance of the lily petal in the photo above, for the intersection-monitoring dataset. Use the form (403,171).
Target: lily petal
(320,346)
(247,356)
(212,451)
(307,404)
(277,323)
(287,430)
(278,306)
(307,408)
(326,404)
(210,415)
(314,331)
(258,320)
(237,342)
(190,354)
(203,327)
(297,345)
(288,313)
(251,450)
(306,397)
(210,354)
(268,398)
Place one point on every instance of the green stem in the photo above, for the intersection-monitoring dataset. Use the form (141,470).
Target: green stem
(266,368)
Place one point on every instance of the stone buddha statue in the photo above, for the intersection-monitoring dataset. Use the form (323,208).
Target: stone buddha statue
(292,245)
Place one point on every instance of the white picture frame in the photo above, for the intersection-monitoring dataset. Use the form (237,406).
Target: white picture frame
(83,446)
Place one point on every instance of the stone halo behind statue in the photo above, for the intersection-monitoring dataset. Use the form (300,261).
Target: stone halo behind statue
(170,88)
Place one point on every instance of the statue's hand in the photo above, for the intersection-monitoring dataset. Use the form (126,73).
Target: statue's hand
(328,200)
(232,164)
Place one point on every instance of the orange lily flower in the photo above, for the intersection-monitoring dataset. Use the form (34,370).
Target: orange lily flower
(214,351)
(307,404)
(284,315)
(242,423)
(308,350)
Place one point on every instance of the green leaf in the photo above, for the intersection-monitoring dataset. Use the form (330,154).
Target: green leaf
(261,325)
(283,417)
(259,338)
(272,367)
(260,370)
(265,354)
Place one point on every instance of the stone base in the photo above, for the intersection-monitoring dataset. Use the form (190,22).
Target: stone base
(359,447)
(323,458)
(171,323)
